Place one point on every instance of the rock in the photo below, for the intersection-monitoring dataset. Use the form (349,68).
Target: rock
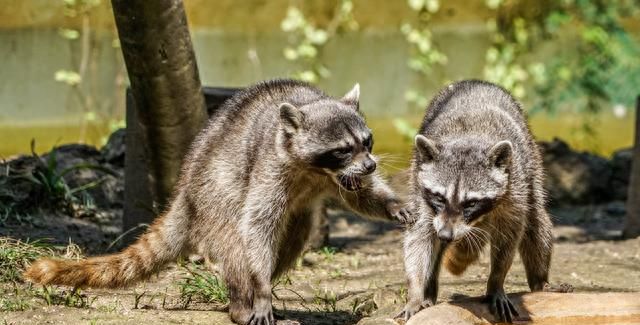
(18,191)
(541,308)
(113,151)
(105,182)
(621,173)
(575,177)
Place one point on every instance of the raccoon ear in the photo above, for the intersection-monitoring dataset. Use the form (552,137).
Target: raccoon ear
(290,118)
(500,154)
(427,149)
(353,97)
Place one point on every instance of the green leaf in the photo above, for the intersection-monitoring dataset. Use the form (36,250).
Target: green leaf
(71,78)
(416,4)
(70,34)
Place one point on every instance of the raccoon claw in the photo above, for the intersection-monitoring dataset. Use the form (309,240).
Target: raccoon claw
(502,308)
(400,213)
(262,319)
(412,309)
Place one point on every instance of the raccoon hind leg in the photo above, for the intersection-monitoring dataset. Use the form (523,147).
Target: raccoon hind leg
(238,281)
(536,248)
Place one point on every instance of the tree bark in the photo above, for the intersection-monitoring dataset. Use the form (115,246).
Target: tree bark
(632,222)
(167,96)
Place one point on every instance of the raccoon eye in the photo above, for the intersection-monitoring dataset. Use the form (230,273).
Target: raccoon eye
(368,143)
(476,208)
(470,204)
(437,203)
(341,152)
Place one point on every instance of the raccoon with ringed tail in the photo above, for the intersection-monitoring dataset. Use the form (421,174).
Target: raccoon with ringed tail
(246,194)
(476,178)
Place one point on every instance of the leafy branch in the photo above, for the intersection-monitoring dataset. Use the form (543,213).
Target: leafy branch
(307,40)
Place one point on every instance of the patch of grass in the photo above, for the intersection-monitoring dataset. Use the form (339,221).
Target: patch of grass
(202,286)
(402,294)
(328,252)
(74,298)
(337,273)
(13,301)
(327,299)
(15,255)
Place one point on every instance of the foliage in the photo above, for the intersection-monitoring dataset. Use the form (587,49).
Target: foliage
(405,129)
(606,68)
(424,52)
(307,39)
(598,65)
(202,286)
(77,77)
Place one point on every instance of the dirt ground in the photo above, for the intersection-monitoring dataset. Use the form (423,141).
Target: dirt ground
(362,282)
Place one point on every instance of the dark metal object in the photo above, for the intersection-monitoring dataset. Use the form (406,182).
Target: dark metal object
(632,222)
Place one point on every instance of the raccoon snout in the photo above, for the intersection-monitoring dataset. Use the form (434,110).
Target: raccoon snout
(368,166)
(445,234)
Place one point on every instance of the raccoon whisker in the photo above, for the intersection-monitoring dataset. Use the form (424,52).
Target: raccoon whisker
(467,239)
(471,239)
(502,234)
(383,159)
(485,234)
(391,166)
(340,189)
(386,155)
(479,236)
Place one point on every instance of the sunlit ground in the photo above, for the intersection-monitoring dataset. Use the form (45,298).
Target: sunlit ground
(612,134)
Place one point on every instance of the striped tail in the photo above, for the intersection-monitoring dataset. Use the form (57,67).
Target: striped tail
(161,244)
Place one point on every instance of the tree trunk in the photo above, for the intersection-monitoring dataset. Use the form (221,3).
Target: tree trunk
(167,96)
(632,223)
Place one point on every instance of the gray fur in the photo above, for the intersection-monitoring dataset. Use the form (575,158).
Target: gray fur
(474,145)
(249,185)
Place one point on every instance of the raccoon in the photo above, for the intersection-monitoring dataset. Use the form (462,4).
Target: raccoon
(246,194)
(476,178)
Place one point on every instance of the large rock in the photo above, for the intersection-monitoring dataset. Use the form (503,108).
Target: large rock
(575,177)
(541,308)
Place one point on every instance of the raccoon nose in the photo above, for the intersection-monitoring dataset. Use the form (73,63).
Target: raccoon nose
(446,235)
(369,166)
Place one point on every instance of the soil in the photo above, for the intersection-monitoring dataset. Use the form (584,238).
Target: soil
(362,282)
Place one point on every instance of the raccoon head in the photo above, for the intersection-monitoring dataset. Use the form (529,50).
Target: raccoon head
(331,137)
(460,181)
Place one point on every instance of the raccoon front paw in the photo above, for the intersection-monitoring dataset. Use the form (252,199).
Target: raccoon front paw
(502,308)
(400,213)
(411,309)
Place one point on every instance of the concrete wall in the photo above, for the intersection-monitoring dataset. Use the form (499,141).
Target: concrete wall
(225,33)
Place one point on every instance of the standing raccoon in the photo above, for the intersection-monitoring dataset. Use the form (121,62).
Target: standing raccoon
(477,178)
(247,192)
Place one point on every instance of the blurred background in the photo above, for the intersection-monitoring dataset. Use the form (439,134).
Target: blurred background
(575,64)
